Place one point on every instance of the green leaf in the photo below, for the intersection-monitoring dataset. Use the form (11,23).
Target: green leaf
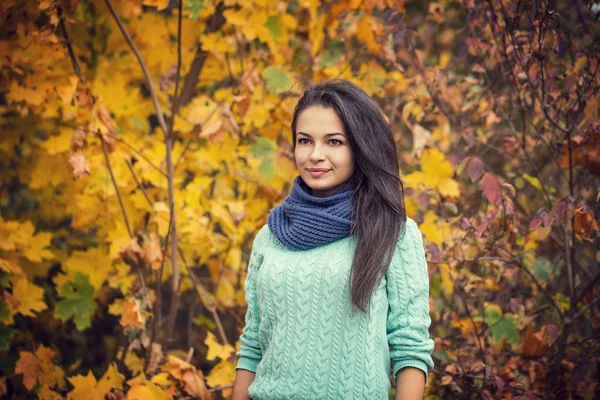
(266,170)
(501,327)
(263,148)
(277,80)
(542,268)
(273,24)
(78,301)
(194,7)
(331,56)
(4,279)
(5,335)
(139,124)
(4,311)
(435,286)
(203,321)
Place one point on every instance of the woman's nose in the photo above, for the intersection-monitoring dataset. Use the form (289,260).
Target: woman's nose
(317,154)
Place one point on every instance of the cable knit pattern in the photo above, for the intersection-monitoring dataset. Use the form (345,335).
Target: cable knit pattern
(302,338)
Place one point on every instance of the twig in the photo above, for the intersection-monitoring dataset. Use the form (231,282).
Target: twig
(137,181)
(175,102)
(169,149)
(114,181)
(213,310)
(159,114)
(155,336)
(74,61)
(120,139)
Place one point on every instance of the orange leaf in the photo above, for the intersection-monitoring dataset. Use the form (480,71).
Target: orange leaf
(152,253)
(78,164)
(585,224)
(131,314)
(39,367)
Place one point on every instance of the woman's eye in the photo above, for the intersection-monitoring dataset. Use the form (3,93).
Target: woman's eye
(335,142)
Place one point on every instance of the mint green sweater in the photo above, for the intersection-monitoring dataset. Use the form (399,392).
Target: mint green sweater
(301,338)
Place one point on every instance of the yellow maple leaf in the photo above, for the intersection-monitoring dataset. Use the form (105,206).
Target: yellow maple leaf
(216,349)
(67,89)
(10,266)
(30,297)
(36,250)
(45,393)
(222,374)
(374,78)
(411,207)
(60,143)
(254,26)
(202,110)
(111,379)
(162,378)
(236,17)
(116,308)
(447,284)
(47,170)
(234,258)
(367,28)
(142,389)
(435,173)
(116,94)
(8,234)
(225,291)
(121,278)
(437,230)
(94,262)
(84,388)
(316,34)
(134,363)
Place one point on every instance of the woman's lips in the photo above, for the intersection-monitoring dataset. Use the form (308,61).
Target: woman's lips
(318,173)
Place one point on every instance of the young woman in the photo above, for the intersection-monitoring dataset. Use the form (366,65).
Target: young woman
(337,283)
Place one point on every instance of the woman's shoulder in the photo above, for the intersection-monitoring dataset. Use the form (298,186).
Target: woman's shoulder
(262,236)
(410,237)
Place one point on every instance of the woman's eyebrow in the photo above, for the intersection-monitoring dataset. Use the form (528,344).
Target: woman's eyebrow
(326,135)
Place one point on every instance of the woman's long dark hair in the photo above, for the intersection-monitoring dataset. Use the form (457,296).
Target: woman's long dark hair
(379,215)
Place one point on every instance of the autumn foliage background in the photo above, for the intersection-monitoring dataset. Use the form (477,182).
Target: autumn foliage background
(144,142)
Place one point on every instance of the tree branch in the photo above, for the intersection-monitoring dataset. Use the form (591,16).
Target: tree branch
(159,114)
(215,22)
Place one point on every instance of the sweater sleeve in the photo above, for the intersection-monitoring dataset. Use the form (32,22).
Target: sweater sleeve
(250,352)
(408,317)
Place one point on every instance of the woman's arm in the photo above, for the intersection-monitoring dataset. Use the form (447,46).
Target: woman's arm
(410,384)
(250,352)
(243,380)
(408,317)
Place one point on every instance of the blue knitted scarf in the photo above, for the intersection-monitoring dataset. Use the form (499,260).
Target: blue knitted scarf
(303,221)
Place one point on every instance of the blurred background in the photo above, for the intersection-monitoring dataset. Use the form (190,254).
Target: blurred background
(144,142)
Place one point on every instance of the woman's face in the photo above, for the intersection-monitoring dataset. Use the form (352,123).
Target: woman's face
(323,155)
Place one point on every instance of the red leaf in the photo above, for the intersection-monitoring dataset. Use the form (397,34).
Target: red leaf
(535,223)
(491,188)
(559,210)
(553,331)
(475,169)
(499,383)
(515,304)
